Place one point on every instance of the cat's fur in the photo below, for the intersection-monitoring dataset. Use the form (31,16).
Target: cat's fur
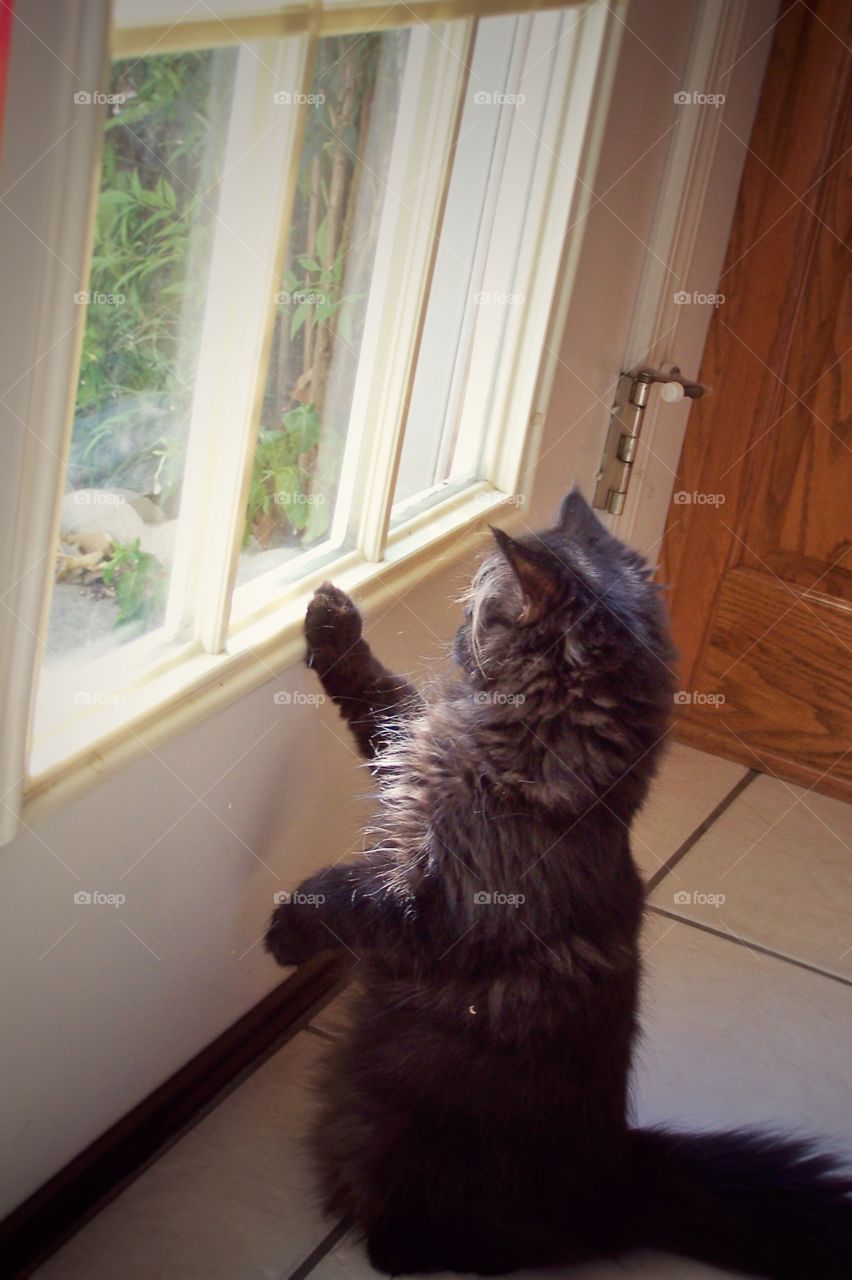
(476,1116)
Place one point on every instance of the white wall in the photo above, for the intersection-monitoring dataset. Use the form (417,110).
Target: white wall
(96,1023)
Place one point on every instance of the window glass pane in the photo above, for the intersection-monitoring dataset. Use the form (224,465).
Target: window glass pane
(437,453)
(322,302)
(162,152)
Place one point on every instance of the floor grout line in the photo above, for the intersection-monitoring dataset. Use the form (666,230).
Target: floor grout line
(749,945)
(680,853)
(701,830)
(231,1086)
(324,1247)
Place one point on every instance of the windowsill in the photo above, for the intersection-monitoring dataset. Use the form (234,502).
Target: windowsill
(190,686)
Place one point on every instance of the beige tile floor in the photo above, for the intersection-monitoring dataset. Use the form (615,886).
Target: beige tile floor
(747,1020)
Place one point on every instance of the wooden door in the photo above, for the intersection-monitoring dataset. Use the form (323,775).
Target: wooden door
(758,538)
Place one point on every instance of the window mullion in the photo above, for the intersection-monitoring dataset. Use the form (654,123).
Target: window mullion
(546,190)
(429,111)
(262,154)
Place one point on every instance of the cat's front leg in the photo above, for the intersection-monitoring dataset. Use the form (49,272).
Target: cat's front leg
(297,930)
(315,917)
(345,906)
(366,693)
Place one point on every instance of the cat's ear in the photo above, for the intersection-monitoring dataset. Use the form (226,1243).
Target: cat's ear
(537,575)
(576,516)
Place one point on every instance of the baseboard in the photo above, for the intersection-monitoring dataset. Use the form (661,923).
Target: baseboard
(52,1214)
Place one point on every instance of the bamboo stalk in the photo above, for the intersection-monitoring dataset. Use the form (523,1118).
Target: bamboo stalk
(310,250)
(341,167)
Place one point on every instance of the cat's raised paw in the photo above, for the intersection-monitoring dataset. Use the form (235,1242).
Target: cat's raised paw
(332,625)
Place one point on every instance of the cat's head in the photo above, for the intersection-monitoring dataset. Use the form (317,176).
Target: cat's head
(571,606)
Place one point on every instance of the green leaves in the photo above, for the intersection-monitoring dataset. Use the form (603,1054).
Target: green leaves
(288,485)
(300,315)
(156,156)
(302,426)
(282,475)
(139,581)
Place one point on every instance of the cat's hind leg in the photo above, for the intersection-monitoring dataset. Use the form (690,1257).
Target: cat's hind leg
(366,693)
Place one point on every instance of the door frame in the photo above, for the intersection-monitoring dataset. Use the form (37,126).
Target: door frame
(730,51)
(685,245)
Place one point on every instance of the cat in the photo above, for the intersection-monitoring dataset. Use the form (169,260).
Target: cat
(476,1115)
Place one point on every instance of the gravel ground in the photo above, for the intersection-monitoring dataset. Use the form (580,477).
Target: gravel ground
(78,616)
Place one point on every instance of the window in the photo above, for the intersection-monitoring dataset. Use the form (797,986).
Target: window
(325,253)
(439,449)
(162,159)
(358,90)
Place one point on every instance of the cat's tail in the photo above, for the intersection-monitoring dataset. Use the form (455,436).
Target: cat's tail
(748,1202)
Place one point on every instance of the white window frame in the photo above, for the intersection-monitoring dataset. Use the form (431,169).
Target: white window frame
(212,654)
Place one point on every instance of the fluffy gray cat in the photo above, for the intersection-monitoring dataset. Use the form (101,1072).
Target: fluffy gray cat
(476,1118)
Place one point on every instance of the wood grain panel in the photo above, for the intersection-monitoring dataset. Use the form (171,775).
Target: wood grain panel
(761,567)
(811,573)
(766,269)
(808,452)
(780,659)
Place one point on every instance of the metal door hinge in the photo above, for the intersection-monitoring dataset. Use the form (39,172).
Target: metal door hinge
(625,426)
